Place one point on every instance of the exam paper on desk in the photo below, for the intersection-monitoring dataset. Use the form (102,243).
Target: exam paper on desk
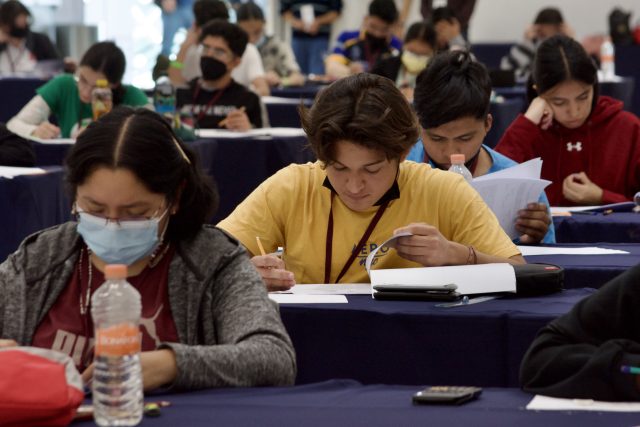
(11,171)
(307,299)
(546,403)
(544,250)
(329,289)
(222,133)
(469,279)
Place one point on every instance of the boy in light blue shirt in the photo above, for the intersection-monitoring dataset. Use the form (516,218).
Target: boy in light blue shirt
(452,100)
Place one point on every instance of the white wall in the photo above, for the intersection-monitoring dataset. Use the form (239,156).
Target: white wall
(505,20)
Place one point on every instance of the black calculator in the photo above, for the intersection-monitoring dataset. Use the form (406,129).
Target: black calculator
(446,395)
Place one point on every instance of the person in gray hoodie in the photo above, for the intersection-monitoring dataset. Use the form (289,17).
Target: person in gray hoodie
(142,200)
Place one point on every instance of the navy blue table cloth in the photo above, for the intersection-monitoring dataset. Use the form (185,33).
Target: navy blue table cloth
(347,403)
(30,203)
(308,91)
(416,342)
(618,227)
(16,92)
(591,270)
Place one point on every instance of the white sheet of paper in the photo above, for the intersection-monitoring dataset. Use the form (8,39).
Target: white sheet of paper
(529,169)
(11,171)
(388,242)
(330,289)
(546,403)
(470,279)
(308,299)
(506,196)
(222,133)
(591,250)
(54,141)
(307,14)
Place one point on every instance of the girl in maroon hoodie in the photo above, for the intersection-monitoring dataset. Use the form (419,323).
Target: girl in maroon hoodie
(590,147)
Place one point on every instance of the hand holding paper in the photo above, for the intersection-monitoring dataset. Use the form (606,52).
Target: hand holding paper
(533,222)
(426,245)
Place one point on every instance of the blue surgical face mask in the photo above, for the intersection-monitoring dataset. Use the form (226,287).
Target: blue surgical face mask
(119,242)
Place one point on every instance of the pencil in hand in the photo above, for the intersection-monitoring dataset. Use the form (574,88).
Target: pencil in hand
(262,251)
(223,122)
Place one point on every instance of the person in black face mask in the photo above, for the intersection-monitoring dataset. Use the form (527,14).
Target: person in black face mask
(215,100)
(359,51)
(21,48)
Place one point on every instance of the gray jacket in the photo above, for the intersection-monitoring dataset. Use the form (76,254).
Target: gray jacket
(230,333)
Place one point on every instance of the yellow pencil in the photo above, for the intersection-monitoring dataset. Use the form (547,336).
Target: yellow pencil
(223,122)
(262,251)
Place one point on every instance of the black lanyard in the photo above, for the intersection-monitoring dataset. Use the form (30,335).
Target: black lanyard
(214,99)
(356,251)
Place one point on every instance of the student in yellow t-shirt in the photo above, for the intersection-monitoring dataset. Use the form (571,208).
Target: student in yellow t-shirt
(361,128)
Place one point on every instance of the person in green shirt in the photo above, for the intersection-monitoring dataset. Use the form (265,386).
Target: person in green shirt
(68,97)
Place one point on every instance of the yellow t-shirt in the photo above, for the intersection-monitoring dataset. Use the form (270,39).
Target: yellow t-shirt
(291,209)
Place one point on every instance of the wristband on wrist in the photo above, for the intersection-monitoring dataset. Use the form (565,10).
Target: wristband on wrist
(176,64)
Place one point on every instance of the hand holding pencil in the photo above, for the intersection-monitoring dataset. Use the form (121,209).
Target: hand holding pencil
(237,120)
(272,269)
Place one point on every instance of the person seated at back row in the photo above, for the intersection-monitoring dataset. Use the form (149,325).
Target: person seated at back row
(68,97)
(418,48)
(215,100)
(277,57)
(589,145)
(329,215)
(141,199)
(448,31)
(549,22)
(452,100)
(358,51)
(186,67)
(21,48)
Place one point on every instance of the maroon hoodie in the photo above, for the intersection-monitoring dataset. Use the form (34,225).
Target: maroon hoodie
(606,147)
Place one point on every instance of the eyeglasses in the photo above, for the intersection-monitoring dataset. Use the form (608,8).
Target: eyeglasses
(216,52)
(82,82)
(77,210)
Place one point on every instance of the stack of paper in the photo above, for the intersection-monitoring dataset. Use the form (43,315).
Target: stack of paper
(469,279)
(510,190)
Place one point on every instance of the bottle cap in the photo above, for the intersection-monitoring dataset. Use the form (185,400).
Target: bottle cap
(457,159)
(102,83)
(115,271)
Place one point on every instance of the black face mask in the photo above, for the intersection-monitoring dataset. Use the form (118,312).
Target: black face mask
(376,43)
(212,69)
(19,32)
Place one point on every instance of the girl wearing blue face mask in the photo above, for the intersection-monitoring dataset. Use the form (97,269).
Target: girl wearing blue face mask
(141,199)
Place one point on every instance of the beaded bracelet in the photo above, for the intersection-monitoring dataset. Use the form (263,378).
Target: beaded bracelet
(473,257)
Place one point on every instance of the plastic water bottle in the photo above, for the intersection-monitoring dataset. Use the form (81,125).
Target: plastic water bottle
(117,375)
(101,99)
(457,166)
(607,60)
(164,99)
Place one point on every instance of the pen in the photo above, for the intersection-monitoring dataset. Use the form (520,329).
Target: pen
(626,369)
(584,213)
(223,122)
(262,251)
